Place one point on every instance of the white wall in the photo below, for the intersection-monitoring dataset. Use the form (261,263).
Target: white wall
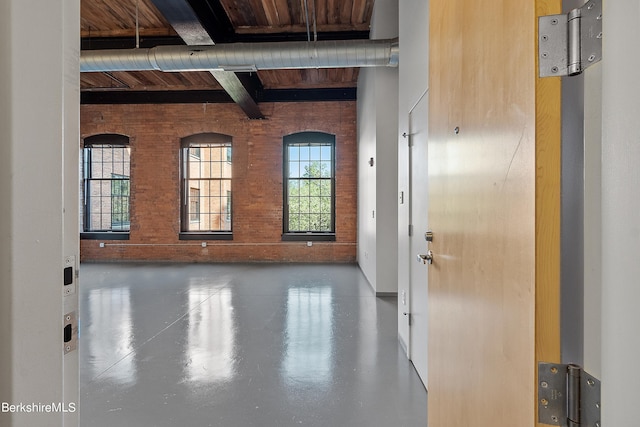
(414,81)
(39,131)
(377,184)
(620,213)
(386,161)
(5,209)
(367,137)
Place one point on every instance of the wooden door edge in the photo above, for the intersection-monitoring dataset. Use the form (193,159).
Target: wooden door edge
(547,196)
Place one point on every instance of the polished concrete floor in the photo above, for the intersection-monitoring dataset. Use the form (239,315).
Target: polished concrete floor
(261,345)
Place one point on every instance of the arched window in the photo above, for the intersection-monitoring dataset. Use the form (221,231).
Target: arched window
(309,186)
(206,208)
(106,168)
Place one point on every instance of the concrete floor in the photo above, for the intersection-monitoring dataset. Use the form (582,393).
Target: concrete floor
(261,345)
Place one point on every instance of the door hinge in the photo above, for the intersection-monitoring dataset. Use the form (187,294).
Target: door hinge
(568,44)
(567,396)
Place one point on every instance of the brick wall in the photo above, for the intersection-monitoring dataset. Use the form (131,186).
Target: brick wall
(155,132)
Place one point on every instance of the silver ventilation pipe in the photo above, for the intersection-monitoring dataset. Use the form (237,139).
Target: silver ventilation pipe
(246,56)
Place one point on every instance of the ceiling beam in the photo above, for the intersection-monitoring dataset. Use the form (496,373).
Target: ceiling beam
(298,36)
(309,95)
(213,96)
(186,23)
(214,20)
(100,43)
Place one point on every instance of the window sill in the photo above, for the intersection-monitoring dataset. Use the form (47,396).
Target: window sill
(104,235)
(305,237)
(223,235)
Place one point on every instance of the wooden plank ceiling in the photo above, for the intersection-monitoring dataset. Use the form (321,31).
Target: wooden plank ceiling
(112,24)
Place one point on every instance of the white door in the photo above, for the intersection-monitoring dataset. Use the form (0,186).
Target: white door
(418,199)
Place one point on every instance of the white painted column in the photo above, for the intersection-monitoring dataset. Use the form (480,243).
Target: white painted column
(620,213)
(39,134)
(377,184)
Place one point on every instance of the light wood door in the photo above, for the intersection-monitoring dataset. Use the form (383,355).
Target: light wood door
(493,208)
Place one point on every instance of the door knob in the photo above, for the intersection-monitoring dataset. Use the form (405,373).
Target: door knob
(426,258)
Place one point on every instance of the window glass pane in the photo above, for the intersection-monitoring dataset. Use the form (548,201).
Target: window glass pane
(294,187)
(325,205)
(294,153)
(226,170)
(314,221)
(305,187)
(326,153)
(294,169)
(194,204)
(325,187)
(314,153)
(304,153)
(312,170)
(325,169)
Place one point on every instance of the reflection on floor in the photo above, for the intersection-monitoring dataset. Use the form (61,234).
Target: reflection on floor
(261,345)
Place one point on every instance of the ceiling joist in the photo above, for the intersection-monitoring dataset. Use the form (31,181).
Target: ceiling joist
(186,23)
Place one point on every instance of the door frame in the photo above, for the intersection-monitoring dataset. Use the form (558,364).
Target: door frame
(412,235)
(548,211)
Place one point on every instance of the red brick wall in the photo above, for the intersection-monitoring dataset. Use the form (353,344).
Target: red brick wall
(155,132)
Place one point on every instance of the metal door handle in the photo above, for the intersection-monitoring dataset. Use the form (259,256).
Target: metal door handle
(426,258)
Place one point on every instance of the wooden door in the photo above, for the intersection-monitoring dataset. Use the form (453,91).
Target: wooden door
(494,211)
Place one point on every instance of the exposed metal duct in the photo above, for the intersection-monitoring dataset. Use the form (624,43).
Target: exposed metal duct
(246,56)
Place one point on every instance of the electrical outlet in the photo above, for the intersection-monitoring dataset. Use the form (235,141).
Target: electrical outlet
(102,244)
(204,244)
(309,244)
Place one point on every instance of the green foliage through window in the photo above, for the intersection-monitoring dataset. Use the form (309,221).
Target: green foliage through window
(309,186)
(120,192)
